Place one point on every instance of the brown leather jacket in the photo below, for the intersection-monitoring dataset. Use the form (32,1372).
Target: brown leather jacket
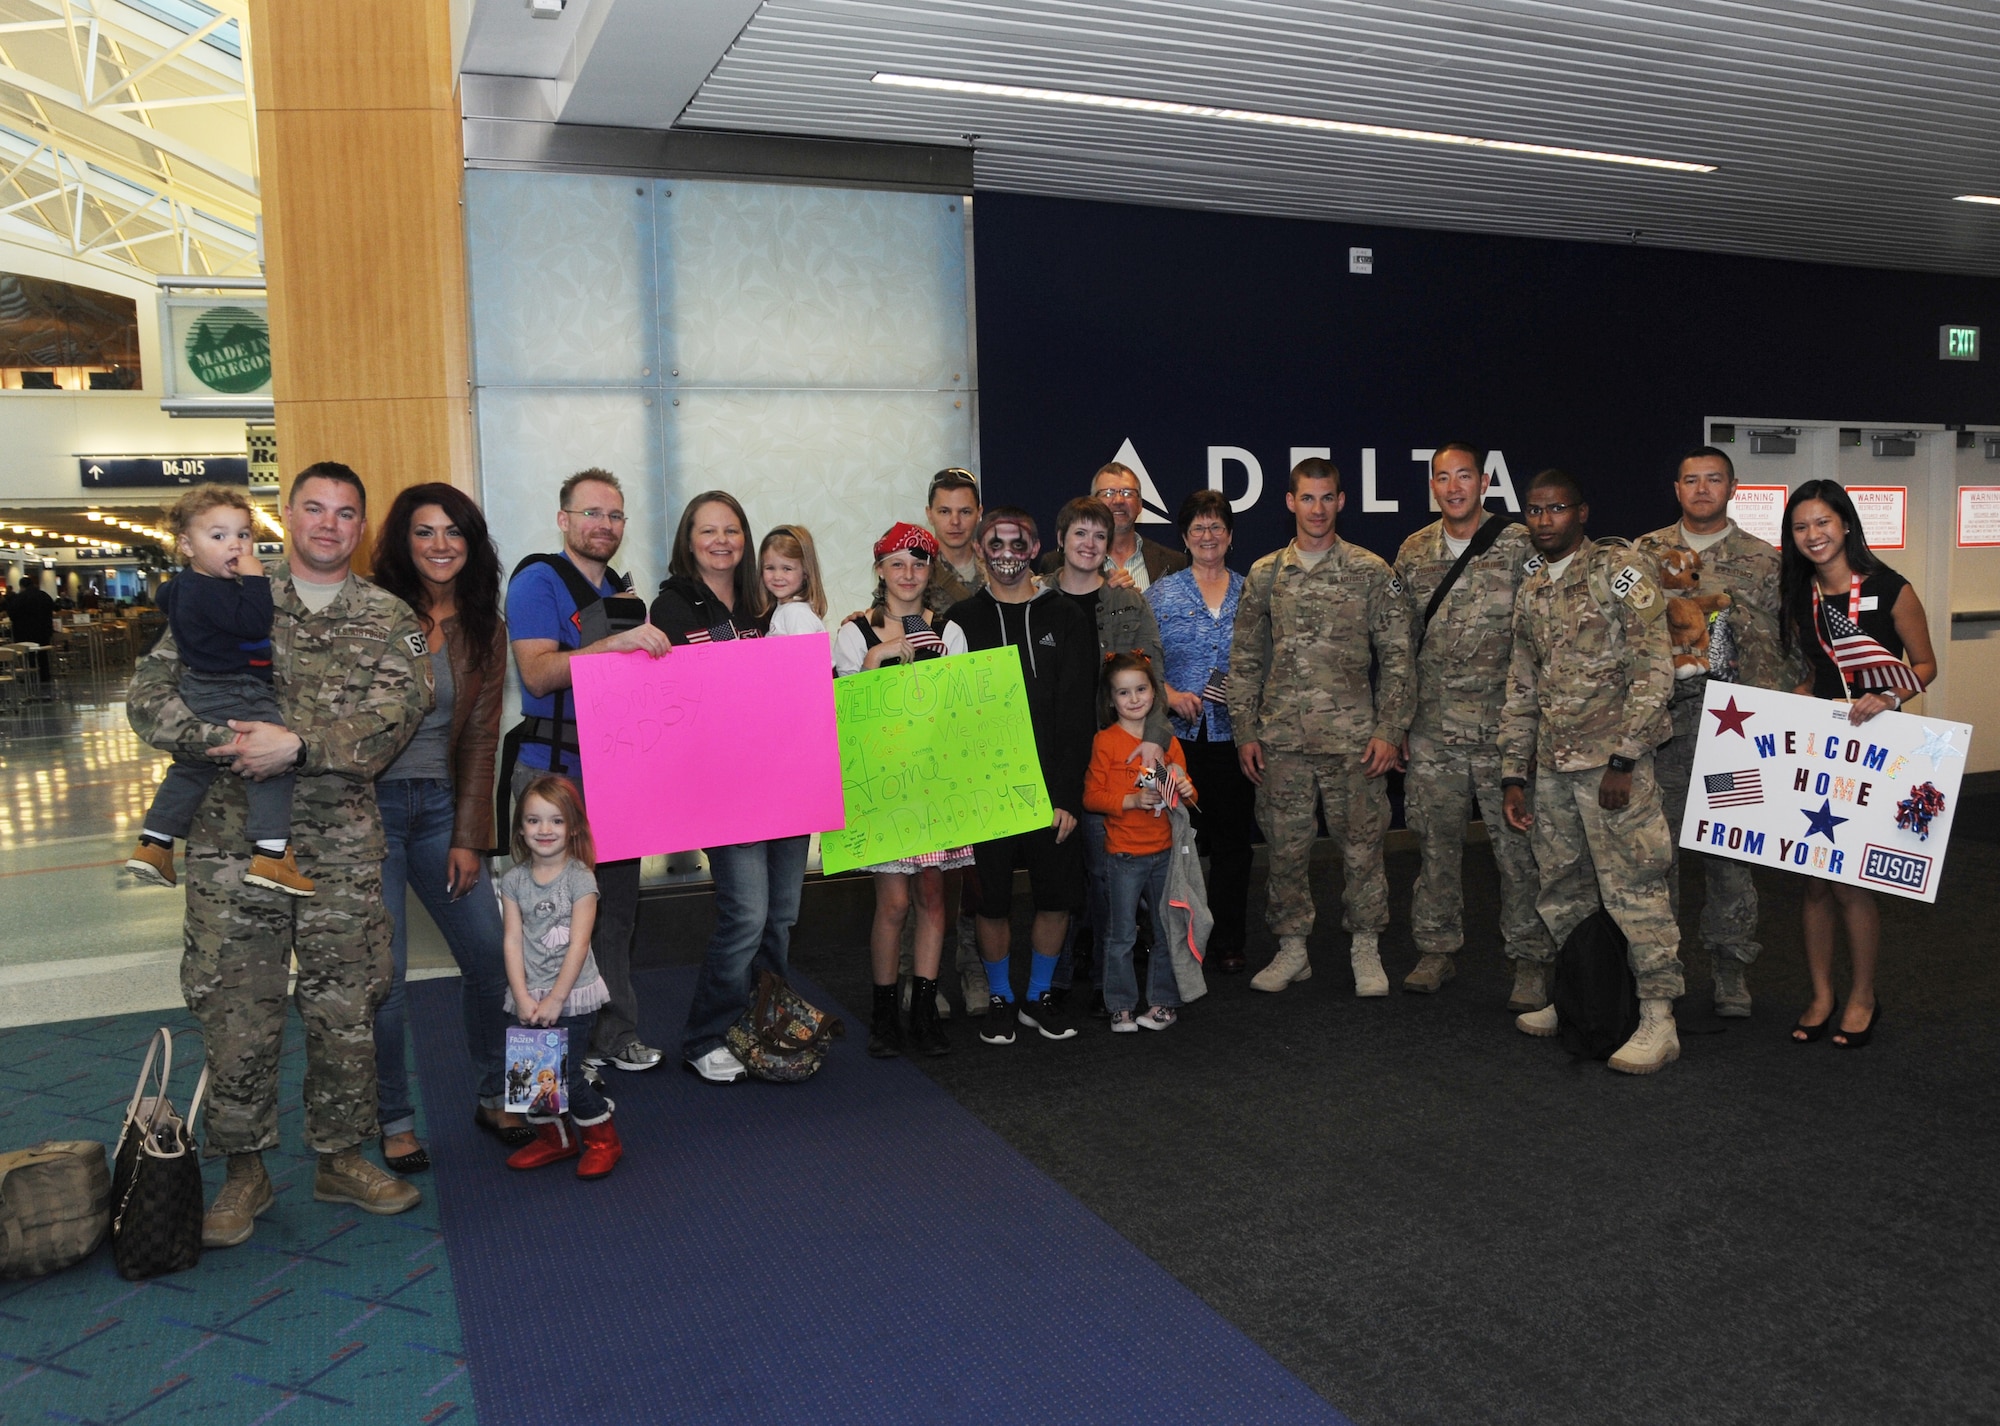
(475,735)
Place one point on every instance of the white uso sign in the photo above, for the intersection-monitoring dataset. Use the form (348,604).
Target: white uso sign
(1783,781)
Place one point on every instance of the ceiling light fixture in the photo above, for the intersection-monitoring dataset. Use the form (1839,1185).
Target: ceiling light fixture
(1977,198)
(1281,121)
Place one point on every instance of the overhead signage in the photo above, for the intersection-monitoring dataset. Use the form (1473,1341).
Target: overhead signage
(1958,343)
(1882,509)
(218,354)
(1978,516)
(129,472)
(1783,781)
(1760,511)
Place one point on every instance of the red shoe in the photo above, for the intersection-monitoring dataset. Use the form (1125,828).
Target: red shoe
(601,1150)
(553,1143)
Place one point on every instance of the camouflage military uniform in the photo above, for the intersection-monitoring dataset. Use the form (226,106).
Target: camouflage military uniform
(1461,670)
(1298,684)
(354,682)
(1588,680)
(950,585)
(1746,569)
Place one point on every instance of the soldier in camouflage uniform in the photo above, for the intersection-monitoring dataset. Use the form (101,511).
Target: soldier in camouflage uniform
(1454,746)
(352,674)
(1310,731)
(1586,705)
(1746,569)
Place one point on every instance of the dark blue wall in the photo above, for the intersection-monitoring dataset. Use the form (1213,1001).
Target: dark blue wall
(1182,330)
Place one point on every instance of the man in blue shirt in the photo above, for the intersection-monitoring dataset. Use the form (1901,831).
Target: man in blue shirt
(546,627)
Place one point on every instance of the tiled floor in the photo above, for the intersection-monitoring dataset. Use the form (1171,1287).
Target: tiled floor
(78,937)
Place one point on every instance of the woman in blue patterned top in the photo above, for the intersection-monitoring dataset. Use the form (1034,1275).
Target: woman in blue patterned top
(1196,610)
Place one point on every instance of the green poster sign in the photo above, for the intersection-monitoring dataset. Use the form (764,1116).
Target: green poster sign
(934,755)
(229,350)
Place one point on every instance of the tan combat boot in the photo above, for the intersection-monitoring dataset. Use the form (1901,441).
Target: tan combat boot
(152,864)
(1531,985)
(347,1177)
(279,874)
(1433,970)
(1287,966)
(244,1194)
(1366,958)
(1540,1023)
(1732,992)
(1654,1045)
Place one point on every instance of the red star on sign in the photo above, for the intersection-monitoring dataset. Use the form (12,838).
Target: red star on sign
(1731,719)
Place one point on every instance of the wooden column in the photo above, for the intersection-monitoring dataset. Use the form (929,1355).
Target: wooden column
(362,163)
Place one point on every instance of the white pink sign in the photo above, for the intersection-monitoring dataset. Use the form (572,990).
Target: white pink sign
(1760,510)
(1978,516)
(1882,509)
(1785,782)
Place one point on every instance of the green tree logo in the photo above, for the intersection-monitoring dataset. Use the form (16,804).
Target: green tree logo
(229,350)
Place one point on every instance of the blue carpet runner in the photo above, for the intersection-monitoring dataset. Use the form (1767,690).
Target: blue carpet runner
(327,1315)
(857,1248)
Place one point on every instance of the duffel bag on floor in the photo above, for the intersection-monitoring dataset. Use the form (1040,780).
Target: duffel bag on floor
(782,1037)
(55,1206)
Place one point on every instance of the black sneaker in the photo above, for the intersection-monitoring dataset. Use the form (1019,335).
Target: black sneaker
(998,1028)
(1045,1015)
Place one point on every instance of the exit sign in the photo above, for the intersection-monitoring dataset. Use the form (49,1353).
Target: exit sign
(1958,343)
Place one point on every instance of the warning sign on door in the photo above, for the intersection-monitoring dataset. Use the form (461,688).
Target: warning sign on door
(1881,508)
(1760,510)
(1978,516)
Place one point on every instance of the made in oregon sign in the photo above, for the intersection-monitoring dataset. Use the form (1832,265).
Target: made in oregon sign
(228,349)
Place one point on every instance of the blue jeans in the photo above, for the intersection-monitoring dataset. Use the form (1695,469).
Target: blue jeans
(417,818)
(1096,913)
(587,1104)
(757,886)
(1130,877)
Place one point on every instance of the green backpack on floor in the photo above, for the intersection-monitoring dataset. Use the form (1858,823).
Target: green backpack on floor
(55,1206)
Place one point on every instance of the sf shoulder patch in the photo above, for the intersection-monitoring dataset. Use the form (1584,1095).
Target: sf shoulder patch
(1622,582)
(1639,592)
(1395,585)
(1532,565)
(418,646)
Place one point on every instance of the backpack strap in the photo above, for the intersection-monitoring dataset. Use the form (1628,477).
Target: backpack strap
(1482,541)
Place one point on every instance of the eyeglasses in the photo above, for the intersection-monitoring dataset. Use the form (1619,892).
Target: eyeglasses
(1536,511)
(1212,527)
(1116,492)
(596,517)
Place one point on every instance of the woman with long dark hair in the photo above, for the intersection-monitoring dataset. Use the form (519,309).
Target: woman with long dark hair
(711,595)
(1834,590)
(434,553)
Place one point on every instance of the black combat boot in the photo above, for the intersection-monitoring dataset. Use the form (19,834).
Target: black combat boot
(885,1033)
(927,1036)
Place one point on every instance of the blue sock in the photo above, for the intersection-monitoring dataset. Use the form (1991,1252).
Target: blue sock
(996,980)
(1041,971)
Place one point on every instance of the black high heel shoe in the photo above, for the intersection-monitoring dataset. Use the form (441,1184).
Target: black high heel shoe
(514,1136)
(1856,1039)
(1804,1034)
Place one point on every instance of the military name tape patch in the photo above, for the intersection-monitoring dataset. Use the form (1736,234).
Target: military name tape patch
(418,646)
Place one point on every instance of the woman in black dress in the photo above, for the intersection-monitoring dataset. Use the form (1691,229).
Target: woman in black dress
(1834,588)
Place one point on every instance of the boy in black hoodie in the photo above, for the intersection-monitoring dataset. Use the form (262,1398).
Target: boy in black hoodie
(1058,651)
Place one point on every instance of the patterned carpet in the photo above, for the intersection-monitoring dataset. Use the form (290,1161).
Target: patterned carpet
(328,1314)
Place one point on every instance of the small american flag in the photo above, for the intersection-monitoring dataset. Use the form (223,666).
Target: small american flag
(1734,789)
(1863,663)
(919,635)
(716,634)
(1217,689)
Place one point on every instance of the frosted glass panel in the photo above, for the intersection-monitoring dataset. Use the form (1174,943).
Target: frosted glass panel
(844,464)
(778,285)
(561,272)
(532,438)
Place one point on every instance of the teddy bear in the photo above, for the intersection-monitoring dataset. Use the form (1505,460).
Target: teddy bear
(1688,612)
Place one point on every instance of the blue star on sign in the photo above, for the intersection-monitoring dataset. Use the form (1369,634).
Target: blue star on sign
(1822,820)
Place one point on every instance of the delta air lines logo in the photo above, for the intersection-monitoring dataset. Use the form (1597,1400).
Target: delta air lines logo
(1153,510)
(1230,465)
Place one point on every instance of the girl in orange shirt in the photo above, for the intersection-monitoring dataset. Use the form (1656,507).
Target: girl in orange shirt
(1138,838)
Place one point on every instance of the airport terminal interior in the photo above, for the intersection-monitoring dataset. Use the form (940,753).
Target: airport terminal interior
(810,252)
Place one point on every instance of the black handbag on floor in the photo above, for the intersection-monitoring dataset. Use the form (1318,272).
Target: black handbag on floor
(156,1205)
(1596,996)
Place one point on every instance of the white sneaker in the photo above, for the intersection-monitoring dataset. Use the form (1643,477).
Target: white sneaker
(1122,1023)
(1654,1045)
(1366,957)
(1537,1022)
(718,1066)
(635,1057)
(1159,1017)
